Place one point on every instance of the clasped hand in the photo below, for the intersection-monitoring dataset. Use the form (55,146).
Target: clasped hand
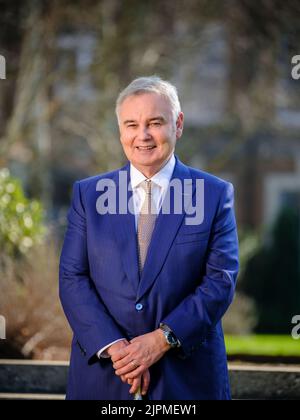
(132,361)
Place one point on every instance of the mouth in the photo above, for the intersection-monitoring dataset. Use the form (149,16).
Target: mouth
(145,148)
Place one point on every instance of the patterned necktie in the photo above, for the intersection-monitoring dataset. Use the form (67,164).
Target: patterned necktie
(146,223)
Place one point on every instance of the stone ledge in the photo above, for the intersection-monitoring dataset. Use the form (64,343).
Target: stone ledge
(21,379)
(12,396)
(33,377)
(265,382)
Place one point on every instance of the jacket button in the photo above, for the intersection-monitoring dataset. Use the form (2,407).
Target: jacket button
(139,307)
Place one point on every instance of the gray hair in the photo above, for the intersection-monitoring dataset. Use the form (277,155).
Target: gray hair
(151,84)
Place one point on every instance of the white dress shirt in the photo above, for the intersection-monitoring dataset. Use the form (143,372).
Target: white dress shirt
(159,186)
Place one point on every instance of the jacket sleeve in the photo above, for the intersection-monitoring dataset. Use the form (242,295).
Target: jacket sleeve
(90,321)
(199,312)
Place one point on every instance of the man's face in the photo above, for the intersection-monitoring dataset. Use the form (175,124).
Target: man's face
(148,132)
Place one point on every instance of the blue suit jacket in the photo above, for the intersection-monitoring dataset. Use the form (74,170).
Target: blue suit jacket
(187,282)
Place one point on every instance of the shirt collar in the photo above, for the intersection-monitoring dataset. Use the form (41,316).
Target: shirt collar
(161,178)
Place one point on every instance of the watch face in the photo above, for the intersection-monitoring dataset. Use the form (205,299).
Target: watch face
(171,339)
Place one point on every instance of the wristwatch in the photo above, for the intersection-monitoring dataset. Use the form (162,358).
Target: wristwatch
(170,337)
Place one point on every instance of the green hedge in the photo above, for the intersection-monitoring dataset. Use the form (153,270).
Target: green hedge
(263,345)
(21,219)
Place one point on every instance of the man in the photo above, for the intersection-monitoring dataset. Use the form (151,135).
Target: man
(144,290)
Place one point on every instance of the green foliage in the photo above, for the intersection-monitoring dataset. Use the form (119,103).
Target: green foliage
(241,318)
(249,243)
(272,276)
(21,220)
(262,345)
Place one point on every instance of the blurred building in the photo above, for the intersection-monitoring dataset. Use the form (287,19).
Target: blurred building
(242,107)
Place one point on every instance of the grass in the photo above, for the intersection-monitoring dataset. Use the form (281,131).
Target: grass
(263,345)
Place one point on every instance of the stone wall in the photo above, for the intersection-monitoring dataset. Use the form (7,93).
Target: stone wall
(47,380)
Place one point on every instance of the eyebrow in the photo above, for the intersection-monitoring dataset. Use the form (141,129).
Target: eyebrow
(158,118)
(128,122)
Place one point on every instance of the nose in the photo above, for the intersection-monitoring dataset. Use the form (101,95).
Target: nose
(143,133)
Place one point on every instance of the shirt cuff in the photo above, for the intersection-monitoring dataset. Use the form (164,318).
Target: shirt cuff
(103,354)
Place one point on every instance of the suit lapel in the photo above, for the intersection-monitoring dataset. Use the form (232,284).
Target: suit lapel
(165,230)
(124,229)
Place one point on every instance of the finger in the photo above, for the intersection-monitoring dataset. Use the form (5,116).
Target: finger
(135,385)
(130,367)
(122,362)
(137,372)
(145,382)
(123,379)
(119,355)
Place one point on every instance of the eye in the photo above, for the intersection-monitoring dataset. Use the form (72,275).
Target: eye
(155,124)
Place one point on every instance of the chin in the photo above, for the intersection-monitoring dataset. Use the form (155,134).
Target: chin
(151,162)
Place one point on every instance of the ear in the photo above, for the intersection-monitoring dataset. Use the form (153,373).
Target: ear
(179,125)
